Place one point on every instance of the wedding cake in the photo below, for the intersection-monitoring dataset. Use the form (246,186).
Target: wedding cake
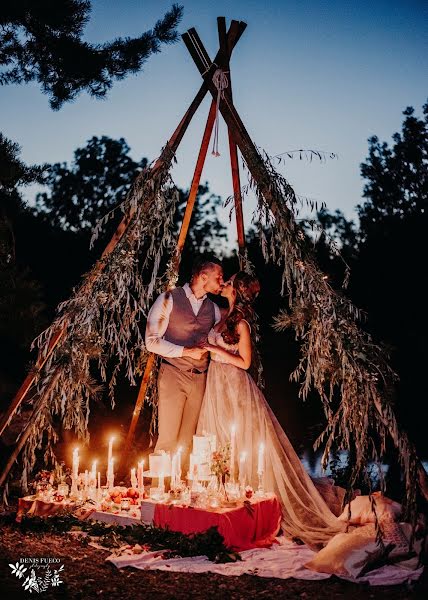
(200,458)
(160,464)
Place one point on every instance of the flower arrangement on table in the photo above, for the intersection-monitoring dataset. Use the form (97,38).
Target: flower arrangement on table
(220,466)
(51,485)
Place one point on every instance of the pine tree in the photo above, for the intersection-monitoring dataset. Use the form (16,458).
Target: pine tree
(43,41)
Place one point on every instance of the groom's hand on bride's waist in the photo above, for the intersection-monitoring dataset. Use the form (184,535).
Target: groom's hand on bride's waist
(195,352)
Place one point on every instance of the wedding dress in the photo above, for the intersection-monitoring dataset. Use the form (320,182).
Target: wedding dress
(232,397)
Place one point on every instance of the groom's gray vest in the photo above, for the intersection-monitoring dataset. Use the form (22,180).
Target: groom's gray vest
(187,329)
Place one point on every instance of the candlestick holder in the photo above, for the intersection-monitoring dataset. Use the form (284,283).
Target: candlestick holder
(260,489)
(74,489)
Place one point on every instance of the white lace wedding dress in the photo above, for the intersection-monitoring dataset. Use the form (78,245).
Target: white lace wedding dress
(232,397)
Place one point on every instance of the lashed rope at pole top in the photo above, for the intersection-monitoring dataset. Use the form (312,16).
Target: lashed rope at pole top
(221,82)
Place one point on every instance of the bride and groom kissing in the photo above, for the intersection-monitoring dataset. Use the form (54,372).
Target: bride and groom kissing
(204,386)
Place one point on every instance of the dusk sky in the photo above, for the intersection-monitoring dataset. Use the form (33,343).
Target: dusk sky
(315,75)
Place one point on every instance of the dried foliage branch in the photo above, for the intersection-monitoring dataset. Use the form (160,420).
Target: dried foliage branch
(339,360)
(102,321)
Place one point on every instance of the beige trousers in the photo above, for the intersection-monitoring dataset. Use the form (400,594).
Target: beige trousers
(179,405)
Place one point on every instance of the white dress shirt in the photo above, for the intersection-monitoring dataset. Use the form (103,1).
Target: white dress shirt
(158,320)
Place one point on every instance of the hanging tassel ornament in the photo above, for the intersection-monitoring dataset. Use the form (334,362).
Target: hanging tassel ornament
(221,83)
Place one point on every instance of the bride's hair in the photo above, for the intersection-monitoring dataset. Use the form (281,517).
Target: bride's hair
(247,288)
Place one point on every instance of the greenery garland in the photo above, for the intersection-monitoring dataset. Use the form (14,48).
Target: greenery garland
(176,544)
(102,321)
(338,359)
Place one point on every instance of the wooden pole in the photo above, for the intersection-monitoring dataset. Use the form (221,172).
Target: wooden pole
(259,173)
(233,150)
(177,256)
(227,42)
(41,360)
(27,431)
(235,31)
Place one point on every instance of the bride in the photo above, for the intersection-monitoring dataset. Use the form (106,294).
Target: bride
(232,397)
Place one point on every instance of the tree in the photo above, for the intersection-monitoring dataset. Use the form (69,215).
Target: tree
(206,231)
(21,295)
(389,276)
(95,183)
(42,41)
(396,186)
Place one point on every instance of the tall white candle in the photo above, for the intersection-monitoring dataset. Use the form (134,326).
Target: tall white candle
(174,470)
(110,450)
(140,476)
(99,480)
(261,459)
(179,452)
(242,461)
(76,463)
(94,471)
(110,473)
(134,482)
(232,452)
(75,471)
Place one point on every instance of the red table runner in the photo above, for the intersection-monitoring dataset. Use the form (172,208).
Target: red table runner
(243,527)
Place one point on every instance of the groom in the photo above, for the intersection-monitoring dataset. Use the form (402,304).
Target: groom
(178,323)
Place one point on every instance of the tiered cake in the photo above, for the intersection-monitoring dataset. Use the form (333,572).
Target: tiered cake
(200,458)
(159,464)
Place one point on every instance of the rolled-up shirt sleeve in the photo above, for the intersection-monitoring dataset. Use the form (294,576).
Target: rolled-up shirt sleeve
(157,324)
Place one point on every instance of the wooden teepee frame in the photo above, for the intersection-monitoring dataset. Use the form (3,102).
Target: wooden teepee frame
(227,42)
(238,138)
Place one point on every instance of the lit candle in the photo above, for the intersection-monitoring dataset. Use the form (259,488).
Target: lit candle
(134,482)
(75,471)
(261,459)
(232,452)
(110,450)
(179,452)
(140,476)
(76,463)
(94,471)
(174,470)
(110,474)
(99,480)
(242,460)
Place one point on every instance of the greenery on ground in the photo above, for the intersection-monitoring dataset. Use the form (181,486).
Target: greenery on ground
(209,543)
